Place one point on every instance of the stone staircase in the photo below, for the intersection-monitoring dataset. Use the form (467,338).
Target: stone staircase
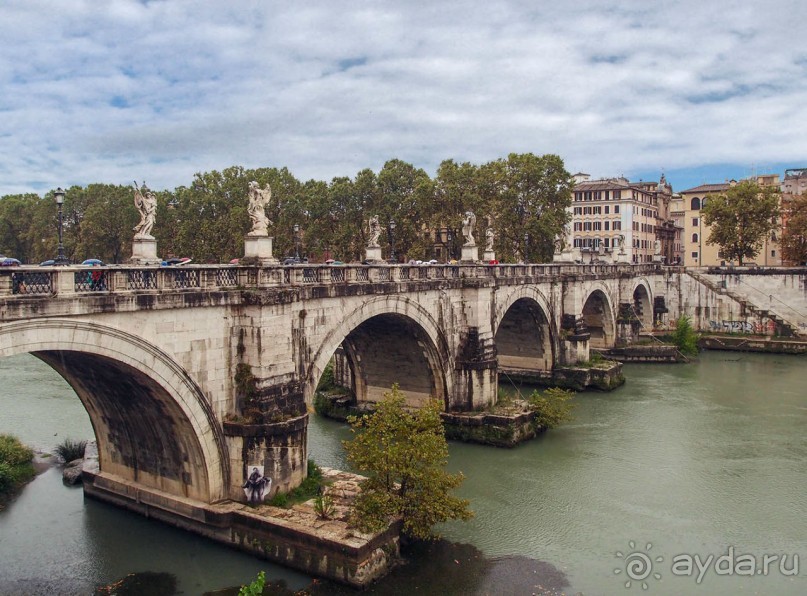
(783,327)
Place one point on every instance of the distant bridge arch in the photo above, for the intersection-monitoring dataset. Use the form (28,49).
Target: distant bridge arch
(389,339)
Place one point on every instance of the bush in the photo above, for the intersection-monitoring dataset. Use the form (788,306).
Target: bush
(324,507)
(69,450)
(255,588)
(327,381)
(553,408)
(15,465)
(685,337)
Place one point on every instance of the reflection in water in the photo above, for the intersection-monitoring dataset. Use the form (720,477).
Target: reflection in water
(691,458)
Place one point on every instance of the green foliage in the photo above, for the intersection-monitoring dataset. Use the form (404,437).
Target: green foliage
(327,381)
(741,218)
(324,507)
(255,588)
(15,465)
(684,337)
(207,219)
(70,450)
(309,488)
(553,407)
(404,454)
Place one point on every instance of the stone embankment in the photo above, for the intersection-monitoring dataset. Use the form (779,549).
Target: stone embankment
(296,537)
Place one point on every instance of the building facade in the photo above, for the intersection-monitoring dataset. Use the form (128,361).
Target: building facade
(615,214)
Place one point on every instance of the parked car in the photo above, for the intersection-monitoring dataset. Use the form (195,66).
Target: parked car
(295,260)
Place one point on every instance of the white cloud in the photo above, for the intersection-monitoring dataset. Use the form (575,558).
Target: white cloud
(115,90)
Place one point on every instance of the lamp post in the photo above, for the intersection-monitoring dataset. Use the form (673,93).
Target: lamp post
(297,241)
(60,258)
(526,247)
(392,241)
(449,247)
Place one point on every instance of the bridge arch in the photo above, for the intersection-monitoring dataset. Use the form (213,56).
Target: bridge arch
(642,300)
(415,343)
(598,314)
(153,424)
(524,331)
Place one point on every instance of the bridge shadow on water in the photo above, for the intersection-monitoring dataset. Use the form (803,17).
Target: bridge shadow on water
(444,568)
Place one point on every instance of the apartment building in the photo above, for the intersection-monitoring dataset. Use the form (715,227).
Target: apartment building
(697,251)
(609,211)
(793,185)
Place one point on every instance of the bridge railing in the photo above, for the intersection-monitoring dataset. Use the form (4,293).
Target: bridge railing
(48,281)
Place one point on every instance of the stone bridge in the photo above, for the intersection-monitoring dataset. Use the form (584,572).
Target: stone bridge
(192,374)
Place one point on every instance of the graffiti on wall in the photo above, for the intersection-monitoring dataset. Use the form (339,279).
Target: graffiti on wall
(765,328)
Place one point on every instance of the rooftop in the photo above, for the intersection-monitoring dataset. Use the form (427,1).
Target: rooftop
(707,188)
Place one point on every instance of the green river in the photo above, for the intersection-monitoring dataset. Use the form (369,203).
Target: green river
(689,479)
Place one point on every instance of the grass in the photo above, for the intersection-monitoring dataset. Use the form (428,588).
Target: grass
(311,487)
(70,450)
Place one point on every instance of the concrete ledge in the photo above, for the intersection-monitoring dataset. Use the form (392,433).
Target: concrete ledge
(334,552)
(752,344)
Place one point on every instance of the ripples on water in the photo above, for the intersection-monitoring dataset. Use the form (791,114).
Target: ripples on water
(690,458)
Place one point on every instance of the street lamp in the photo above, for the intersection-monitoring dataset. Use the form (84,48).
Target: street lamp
(297,241)
(526,247)
(60,259)
(392,241)
(450,247)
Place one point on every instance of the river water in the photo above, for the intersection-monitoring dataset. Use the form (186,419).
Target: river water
(683,463)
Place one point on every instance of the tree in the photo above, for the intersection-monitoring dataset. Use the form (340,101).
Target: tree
(530,196)
(404,454)
(741,218)
(794,237)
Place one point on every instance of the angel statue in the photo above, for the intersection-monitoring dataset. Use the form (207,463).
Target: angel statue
(146,204)
(468,224)
(375,232)
(489,237)
(258,200)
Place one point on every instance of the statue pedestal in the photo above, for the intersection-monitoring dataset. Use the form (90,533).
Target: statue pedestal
(489,256)
(470,254)
(144,251)
(567,256)
(259,248)
(373,254)
(620,257)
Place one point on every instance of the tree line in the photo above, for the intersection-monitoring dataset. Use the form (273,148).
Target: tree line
(524,198)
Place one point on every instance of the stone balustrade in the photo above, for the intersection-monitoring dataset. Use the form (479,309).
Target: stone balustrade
(74,281)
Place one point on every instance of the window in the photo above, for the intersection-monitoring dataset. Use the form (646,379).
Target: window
(617,225)
(695,222)
(607,224)
(616,208)
(694,254)
(695,204)
(578,226)
(578,211)
(694,237)
(773,253)
(607,209)
(597,226)
(617,194)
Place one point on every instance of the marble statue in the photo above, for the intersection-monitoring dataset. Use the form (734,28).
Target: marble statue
(657,247)
(468,224)
(489,237)
(146,204)
(375,232)
(258,200)
(619,242)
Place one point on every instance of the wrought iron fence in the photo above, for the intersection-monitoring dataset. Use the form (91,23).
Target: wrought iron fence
(226,277)
(310,275)
(362,274)
(93,280)
(141,279)
(337,274)
(403,273)
(383,274)
(181,279)
(31,282)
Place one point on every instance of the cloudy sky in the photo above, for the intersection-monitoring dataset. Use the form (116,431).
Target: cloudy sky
(113,90)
